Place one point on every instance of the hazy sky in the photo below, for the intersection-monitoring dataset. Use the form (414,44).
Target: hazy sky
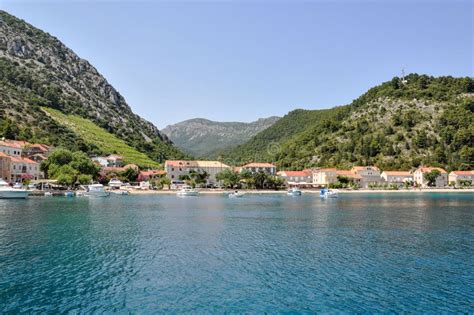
(241,60)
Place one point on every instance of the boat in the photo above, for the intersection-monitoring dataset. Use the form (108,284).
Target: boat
(120,192)
(115,183)
(18,186)
(69,194)
(187,191)
(48,194)
(96,190)
(7,192)
(328,193)
(294,192)
(235,194)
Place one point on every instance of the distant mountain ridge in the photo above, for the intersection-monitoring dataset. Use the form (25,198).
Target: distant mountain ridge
(206,138)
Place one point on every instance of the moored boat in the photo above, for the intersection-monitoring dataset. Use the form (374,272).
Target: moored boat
(294,192)
(120,192)
(235,194)
(187,191)
(96,190)
(328,193)
(7,192)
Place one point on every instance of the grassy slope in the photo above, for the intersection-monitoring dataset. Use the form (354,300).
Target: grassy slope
(106,141)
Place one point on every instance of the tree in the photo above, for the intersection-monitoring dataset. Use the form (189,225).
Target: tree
(129,175)
(431,177)
(229,178)
(84,179)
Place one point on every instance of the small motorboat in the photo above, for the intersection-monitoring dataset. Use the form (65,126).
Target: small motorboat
(18,186)
(69,194)
(294,192)
(328,193)
(187,191)
(48,194)
(115,183)
(7,192)
(96,190)
(235,194)
(120,192)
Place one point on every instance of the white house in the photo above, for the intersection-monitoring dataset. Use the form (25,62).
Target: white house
(259,167)
(398,178)
(12,147)
(23,168)
(296,178)
(419,178)
(112,160)
(456,177)
(324,176)
(176,168)
(370,175)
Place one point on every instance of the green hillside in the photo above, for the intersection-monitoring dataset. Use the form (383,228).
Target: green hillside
(100,138)
(264,145)
(397,125)
(37,70)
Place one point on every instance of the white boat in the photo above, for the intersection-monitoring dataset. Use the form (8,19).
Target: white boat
(115,183)
(294,192)
(96,190)
(69,194)
(7,192)
(328,193)
(187,191)
(235,194)
(48,194)
(120,192)
(18,186)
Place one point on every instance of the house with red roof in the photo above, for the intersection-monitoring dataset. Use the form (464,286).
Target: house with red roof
(296,178)
(419,176)
(259,167)
(370,175)
(23,168)
(150,174)
(398,178)
(457,178)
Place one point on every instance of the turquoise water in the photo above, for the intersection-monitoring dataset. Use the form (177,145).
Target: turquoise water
(269,253)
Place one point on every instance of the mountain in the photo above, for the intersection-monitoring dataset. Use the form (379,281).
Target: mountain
(37,71)
(206,138)
(399,124)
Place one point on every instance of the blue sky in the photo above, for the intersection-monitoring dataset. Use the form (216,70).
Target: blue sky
(241,60)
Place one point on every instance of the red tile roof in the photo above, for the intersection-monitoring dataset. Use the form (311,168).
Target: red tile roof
(295,173)
(348,174)
(463,172)
(429,169)
(152,172)
(398,173)
(17,159)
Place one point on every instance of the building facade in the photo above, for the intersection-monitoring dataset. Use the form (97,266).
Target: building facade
(23,168)
(398,178)
(370,175)
(253,168)
(296,178)
(419,176)
(324,176)
(5,167)
(461,178)
(112,160)
(177,168)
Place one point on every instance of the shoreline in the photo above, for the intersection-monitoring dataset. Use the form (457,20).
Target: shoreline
(264,192)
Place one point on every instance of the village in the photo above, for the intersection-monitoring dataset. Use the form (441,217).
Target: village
(20,163)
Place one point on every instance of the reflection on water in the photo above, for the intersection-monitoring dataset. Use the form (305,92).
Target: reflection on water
(268,253)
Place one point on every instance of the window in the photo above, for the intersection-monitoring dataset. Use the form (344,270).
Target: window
(172,169)
(172,176)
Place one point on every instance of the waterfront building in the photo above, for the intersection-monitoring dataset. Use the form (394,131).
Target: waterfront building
(112,160)
(356,178)
(150,174)
(23,168)
(296,178)
(419,178)
(458,178)
(398,178)
(5,167)
(324,176)
(253,168)
(12,147)
(176,168)
(370,175)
